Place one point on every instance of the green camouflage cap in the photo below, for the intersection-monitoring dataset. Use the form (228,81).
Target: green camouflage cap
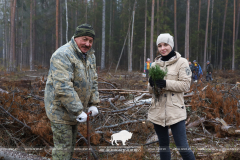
(84,30)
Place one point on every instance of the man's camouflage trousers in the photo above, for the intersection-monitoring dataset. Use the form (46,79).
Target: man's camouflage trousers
(64,138)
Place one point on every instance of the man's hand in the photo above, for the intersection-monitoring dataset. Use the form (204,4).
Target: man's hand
(94,110)
(151,81)
(82,117)
(161,83)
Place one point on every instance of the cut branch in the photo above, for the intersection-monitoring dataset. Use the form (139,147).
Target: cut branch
(127,122)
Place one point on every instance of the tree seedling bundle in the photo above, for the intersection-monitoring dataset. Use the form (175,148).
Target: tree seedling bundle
(157,74)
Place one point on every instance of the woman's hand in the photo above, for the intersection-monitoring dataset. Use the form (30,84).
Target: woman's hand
(161,83)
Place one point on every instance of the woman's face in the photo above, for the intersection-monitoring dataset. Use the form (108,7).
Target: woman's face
(164,49)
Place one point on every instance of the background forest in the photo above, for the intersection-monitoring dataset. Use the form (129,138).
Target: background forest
(126,30)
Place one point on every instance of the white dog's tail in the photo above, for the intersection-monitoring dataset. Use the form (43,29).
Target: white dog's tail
(111,138)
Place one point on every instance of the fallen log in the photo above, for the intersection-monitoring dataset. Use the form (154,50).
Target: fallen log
(127,122)
(11,153)
(237,131)
(3,91)
(195,123)
(125,109)
(135,99)
(123,90)
(225,127)
(199,139)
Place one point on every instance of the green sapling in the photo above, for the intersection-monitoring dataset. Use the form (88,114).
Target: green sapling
(157,74)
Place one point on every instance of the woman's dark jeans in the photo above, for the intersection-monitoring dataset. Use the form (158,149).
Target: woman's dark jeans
(180,138)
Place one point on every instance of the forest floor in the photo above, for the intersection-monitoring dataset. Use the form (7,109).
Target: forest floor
(212,125)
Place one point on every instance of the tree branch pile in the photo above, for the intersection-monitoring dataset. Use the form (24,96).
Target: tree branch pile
(212,113)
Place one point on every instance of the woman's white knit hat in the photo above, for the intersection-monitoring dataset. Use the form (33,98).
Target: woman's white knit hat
(165,38)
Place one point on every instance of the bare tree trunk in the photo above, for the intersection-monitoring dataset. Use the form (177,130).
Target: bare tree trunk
(76,17)
(86,2)
(31,37)
(21,41)
(57,18)
(129,36)
(152,31)
(12,48)
(206,38)
(224,20)
(187,30)
(122,49)
(131,51)
(233,56)
(33,33)
(110,36)
(129,46)
(3,50)
(44,59)
(61,17)
(16,38)
(66,21)
(210,54)
(158,32)
(217,53)
(238,20)
(93,11)
(145,35)
(103,36)
(4,37)
(175,25)
(199,15)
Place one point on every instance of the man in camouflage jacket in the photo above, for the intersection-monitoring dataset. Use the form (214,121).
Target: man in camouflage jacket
(71,87)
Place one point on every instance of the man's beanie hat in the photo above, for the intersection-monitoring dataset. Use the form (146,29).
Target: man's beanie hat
(207,61)
(84,30)
(165,38)
(194,61)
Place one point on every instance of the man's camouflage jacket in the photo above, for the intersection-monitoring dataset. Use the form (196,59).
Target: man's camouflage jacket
(71,84)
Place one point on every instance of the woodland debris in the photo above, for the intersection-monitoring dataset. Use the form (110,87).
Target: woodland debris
(153,138)
(3,91)
(11,153)
(116,125)
(117,114)
(199,139)
(225,127)
(15,118)
(124,90)
(93,153)
(134,100)
(195,123)
(237,131)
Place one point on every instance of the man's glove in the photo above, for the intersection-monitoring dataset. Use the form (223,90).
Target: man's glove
(161,83)
(94,110)
(151,81)
(82,117)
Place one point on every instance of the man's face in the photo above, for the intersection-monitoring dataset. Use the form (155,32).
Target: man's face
(207,62)
(84,43)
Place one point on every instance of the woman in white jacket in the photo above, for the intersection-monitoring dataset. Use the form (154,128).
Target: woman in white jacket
(168,109)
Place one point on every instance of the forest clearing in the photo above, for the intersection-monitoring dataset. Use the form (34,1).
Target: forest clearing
(122,34)
(213,121)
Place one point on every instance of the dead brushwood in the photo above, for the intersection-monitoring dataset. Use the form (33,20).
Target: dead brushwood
(124,105)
